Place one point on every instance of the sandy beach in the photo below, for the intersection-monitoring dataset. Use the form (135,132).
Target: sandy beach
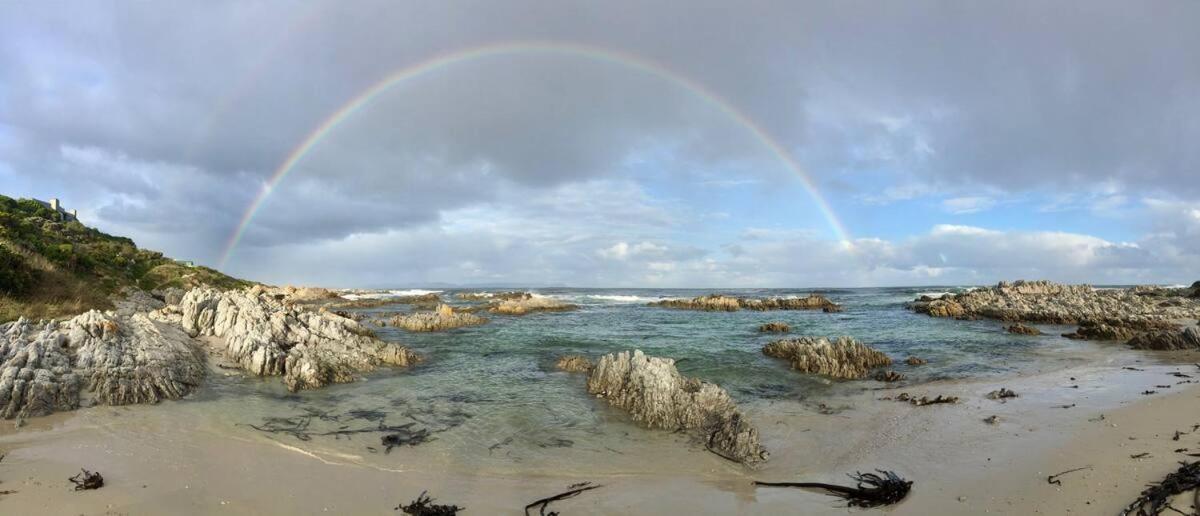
(157,460)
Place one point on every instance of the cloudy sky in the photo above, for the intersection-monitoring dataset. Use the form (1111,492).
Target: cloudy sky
(620,143)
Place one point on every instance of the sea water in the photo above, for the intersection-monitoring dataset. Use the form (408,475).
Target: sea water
(491,402)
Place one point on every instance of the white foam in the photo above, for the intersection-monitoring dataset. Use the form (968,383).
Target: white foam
(389,294)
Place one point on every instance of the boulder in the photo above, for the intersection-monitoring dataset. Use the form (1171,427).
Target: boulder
(915,361)
(443,318)
(1168,340)
(99,358)
(654,394)
(843,357)
(1021,329)
(573,364)
(1101,331)
(266,337)
(774,327)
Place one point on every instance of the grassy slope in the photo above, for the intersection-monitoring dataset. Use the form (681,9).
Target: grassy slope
(55,268)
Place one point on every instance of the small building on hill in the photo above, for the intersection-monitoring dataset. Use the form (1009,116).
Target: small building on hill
(57,207)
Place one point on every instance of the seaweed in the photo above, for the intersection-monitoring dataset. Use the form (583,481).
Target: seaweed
(872,490)
(573,491)
(1053,479)
(424,506)
(86,480)
(1156,498)
(404,437)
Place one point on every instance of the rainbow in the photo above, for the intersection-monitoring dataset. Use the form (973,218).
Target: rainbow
(525,47)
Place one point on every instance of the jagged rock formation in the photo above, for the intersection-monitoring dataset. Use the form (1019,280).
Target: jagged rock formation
(843,357)
(98,357)
(1168,340)
(269,338)
(573,364)
(1021,329)
(1052,303)
(723,303)
(656,395)
(775,327)
(530,304)
(443,318)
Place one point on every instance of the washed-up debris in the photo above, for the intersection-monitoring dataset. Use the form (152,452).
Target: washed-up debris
(572,491)
(1156,498)
(1001,394)
(87,480)
(1147,393)
(872,490)
(926,400)
(1054,479)
(1132,368)
(1142,455)
(424,506)
(992,420)
(1178,374)
(1065,406)
(888,376)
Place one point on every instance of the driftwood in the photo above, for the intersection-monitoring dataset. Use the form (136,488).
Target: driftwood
(424,506)
(1053,479)
(872,490)
(87,480)
(1156,499)
(926,400)
(572,492)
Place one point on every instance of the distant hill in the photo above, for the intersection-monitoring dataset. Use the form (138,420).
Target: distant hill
(51,265)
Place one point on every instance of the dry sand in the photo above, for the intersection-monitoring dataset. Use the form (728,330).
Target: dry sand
(156,463)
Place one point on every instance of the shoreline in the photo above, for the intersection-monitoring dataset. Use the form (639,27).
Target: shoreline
(947,450)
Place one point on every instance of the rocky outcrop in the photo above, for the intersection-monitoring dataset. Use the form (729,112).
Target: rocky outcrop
(1167,340)
(492,296)
(843,357)
(1052,303)
(443,318)
(1117,329)
(915,361)
(1021,329)
(656,395)
(723,303)
(774,327)
(94,358)
(573,364)
(530,304)
(266,337)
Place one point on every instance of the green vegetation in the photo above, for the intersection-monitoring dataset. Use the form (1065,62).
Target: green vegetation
(53,267)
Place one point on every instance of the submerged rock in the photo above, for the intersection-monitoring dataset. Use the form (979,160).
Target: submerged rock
(269,338)
(843,357)
(1021,329)
(723,303)
(443,318)
(888,376)
(656,395)
(1167,340)
(530,304)
(915,361)
(104,358)
(573,364)
(774,327)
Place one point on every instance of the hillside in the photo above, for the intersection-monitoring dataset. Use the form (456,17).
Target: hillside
(53,266)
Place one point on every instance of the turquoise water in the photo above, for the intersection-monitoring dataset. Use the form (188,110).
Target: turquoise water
(491,400)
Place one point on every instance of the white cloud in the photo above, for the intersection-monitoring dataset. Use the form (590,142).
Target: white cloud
(964,205)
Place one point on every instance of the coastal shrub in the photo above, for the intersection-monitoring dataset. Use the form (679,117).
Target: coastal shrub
(16,277)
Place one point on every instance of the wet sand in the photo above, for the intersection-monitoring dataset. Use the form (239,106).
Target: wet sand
(160,459)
